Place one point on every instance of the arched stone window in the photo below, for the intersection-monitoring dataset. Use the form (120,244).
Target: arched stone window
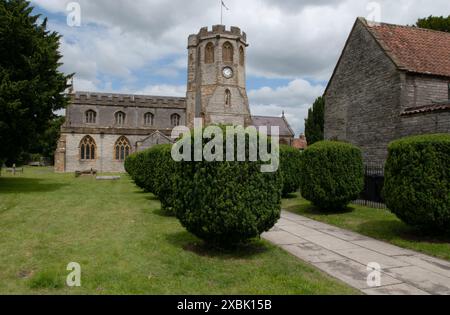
(88,149)
(149,119)
(91,117)
(227,97)
(120,118)
(209,53)
(175,120)
(241,56)
(122,149)
(227,52)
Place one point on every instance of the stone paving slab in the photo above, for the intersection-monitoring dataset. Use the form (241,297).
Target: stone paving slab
(345,255)
(343,234)
(353,273)
(396,289)
(366,256)
(312,253)
(283,238)
(383,248)
(330,242)
(303,232)
(428,263)
(422,279)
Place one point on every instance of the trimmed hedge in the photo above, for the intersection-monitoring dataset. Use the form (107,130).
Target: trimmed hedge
(227,203)
(133,166)
(153,171)
(164,175)
(332,174)
(417,181)
(290,167)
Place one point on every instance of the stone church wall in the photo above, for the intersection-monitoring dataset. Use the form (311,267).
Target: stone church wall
(104,162)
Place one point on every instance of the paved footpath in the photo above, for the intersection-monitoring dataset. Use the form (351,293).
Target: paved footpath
(345,255)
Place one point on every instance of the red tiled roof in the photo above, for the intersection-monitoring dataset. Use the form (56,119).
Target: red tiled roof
(300,143)
(427,109)
(414,49)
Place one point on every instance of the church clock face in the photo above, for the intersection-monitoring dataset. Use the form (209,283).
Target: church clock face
(227,72)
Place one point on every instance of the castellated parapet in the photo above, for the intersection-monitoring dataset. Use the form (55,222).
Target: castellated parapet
(234,33)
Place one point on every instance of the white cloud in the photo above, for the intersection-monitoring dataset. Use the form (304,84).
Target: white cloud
(293,39)
(294,99)
(163,90)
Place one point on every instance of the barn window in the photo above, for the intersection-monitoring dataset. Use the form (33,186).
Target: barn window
(120,118)
(175,120)
(227,52)
(88,149)
(209,53)
(241,56)
(149,119)
(122,149)
(91,117)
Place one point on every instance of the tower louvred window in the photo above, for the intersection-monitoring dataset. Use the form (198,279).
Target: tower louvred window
(227,52)
(209,53)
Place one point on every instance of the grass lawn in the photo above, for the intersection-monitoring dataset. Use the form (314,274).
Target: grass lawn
(125,245)
(376,223)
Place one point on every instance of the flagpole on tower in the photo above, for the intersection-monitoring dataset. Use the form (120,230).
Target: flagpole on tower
(222,5)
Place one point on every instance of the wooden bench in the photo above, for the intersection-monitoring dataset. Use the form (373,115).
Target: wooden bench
(14,170)
(91,172)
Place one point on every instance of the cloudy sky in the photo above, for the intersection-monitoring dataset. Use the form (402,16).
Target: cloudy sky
(139,46)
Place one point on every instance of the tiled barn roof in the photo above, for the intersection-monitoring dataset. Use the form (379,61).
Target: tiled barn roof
(445,106)
(414,49)
(94,98)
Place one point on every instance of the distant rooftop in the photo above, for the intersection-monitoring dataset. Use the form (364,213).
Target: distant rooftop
(285,128)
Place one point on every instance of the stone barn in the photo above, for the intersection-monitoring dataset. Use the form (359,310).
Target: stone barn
(391,81)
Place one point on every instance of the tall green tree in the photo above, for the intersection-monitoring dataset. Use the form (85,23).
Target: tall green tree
(314,124)
(47,142)
(31,85)
(437,23)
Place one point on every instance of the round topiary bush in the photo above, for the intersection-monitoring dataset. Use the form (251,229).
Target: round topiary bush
(290,167)
(417,181)
(332,174)
(226,203)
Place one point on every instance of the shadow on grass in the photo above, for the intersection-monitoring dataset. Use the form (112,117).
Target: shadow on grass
(163,213)
(387,230)
(392,230)
(313,210)
(291,196)
(27,185)
(190,243)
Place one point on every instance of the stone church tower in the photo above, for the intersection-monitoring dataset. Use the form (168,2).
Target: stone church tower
(216,88)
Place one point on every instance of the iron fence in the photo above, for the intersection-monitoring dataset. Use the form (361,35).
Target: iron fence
(373,186)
